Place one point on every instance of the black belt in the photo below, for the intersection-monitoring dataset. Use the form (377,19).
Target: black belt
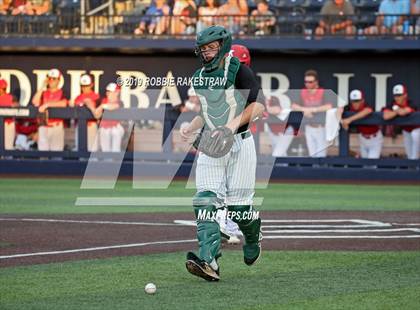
(245,134)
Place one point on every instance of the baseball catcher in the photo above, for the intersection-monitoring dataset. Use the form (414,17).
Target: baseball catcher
(226,165)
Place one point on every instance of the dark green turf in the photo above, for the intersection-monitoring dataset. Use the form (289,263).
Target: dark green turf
(59,196)
(280,280)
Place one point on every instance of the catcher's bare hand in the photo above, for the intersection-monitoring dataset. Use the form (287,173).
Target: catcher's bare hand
(187,133)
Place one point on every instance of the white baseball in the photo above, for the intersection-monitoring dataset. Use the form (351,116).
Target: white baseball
(395,107)
(150,288)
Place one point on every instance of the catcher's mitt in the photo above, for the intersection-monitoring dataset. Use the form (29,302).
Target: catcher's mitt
(215,143)
(42,118)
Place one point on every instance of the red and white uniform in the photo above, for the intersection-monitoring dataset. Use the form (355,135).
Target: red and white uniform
(92,128)
(315,134)
(110,132)
(370,136)
(280,136)
(6,100)
(51,137)
(26,129)
(411,133)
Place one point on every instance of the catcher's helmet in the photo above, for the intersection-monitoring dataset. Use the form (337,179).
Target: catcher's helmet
(211,34)
(242,53)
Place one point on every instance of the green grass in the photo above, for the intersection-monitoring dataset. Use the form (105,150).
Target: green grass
(292,280)
(59,195)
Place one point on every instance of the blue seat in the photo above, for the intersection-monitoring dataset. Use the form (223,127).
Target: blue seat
(315,4)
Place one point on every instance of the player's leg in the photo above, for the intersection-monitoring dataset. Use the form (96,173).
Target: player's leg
(92,131)
(117,133)
(408,142)
(283,142)
(105,139)
(233,231)
(240,192)
(321,142)
(310,140)
(376,146)
(9,135)
(43,144)
(209,240)
(364,150)
(57,138)
(210,176)
(415,147)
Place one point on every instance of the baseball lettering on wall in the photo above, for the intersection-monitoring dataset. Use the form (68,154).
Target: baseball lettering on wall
(276,73)
(169,94)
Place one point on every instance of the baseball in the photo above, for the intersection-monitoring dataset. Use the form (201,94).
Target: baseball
(150,288)
(395,107)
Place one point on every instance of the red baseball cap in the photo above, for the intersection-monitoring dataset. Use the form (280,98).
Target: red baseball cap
(3,84)
(242,53)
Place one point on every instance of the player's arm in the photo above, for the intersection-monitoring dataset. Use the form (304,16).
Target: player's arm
(359,115)
(251,113)
(404,111)
(246,81)
(196,124)
(62,103)
(389,114)
(37,98)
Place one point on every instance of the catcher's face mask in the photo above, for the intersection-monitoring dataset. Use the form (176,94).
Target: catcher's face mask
(209,51)
(212,34)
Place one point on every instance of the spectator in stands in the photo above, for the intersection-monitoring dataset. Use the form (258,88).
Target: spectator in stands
(90,99)
(234,15)
(31,7)
(122,7)
(6,7)
(7,101)
(184,17)
(207,14)
(41,7)
(390,24)
(336,19)
(50,95)
(370,136)
(110,131)
(402,106)
(156,20)
(21,7)
(415,10)
(263,19)
(312,100)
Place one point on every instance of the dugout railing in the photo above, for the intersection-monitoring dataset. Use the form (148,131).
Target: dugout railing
(171,121)
(295,24)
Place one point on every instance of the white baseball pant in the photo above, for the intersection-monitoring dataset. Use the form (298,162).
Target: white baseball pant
(92,137)
(372,147)
(51,138)
(111,138)
(316,141)
(9,135)
(231,177)
(412,143)
(280,142)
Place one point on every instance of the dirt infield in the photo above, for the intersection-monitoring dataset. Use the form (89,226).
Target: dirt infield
(26,240)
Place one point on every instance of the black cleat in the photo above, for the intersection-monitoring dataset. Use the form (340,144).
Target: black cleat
(200,268)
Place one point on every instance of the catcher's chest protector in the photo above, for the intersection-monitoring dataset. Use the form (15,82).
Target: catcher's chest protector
(220,103)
